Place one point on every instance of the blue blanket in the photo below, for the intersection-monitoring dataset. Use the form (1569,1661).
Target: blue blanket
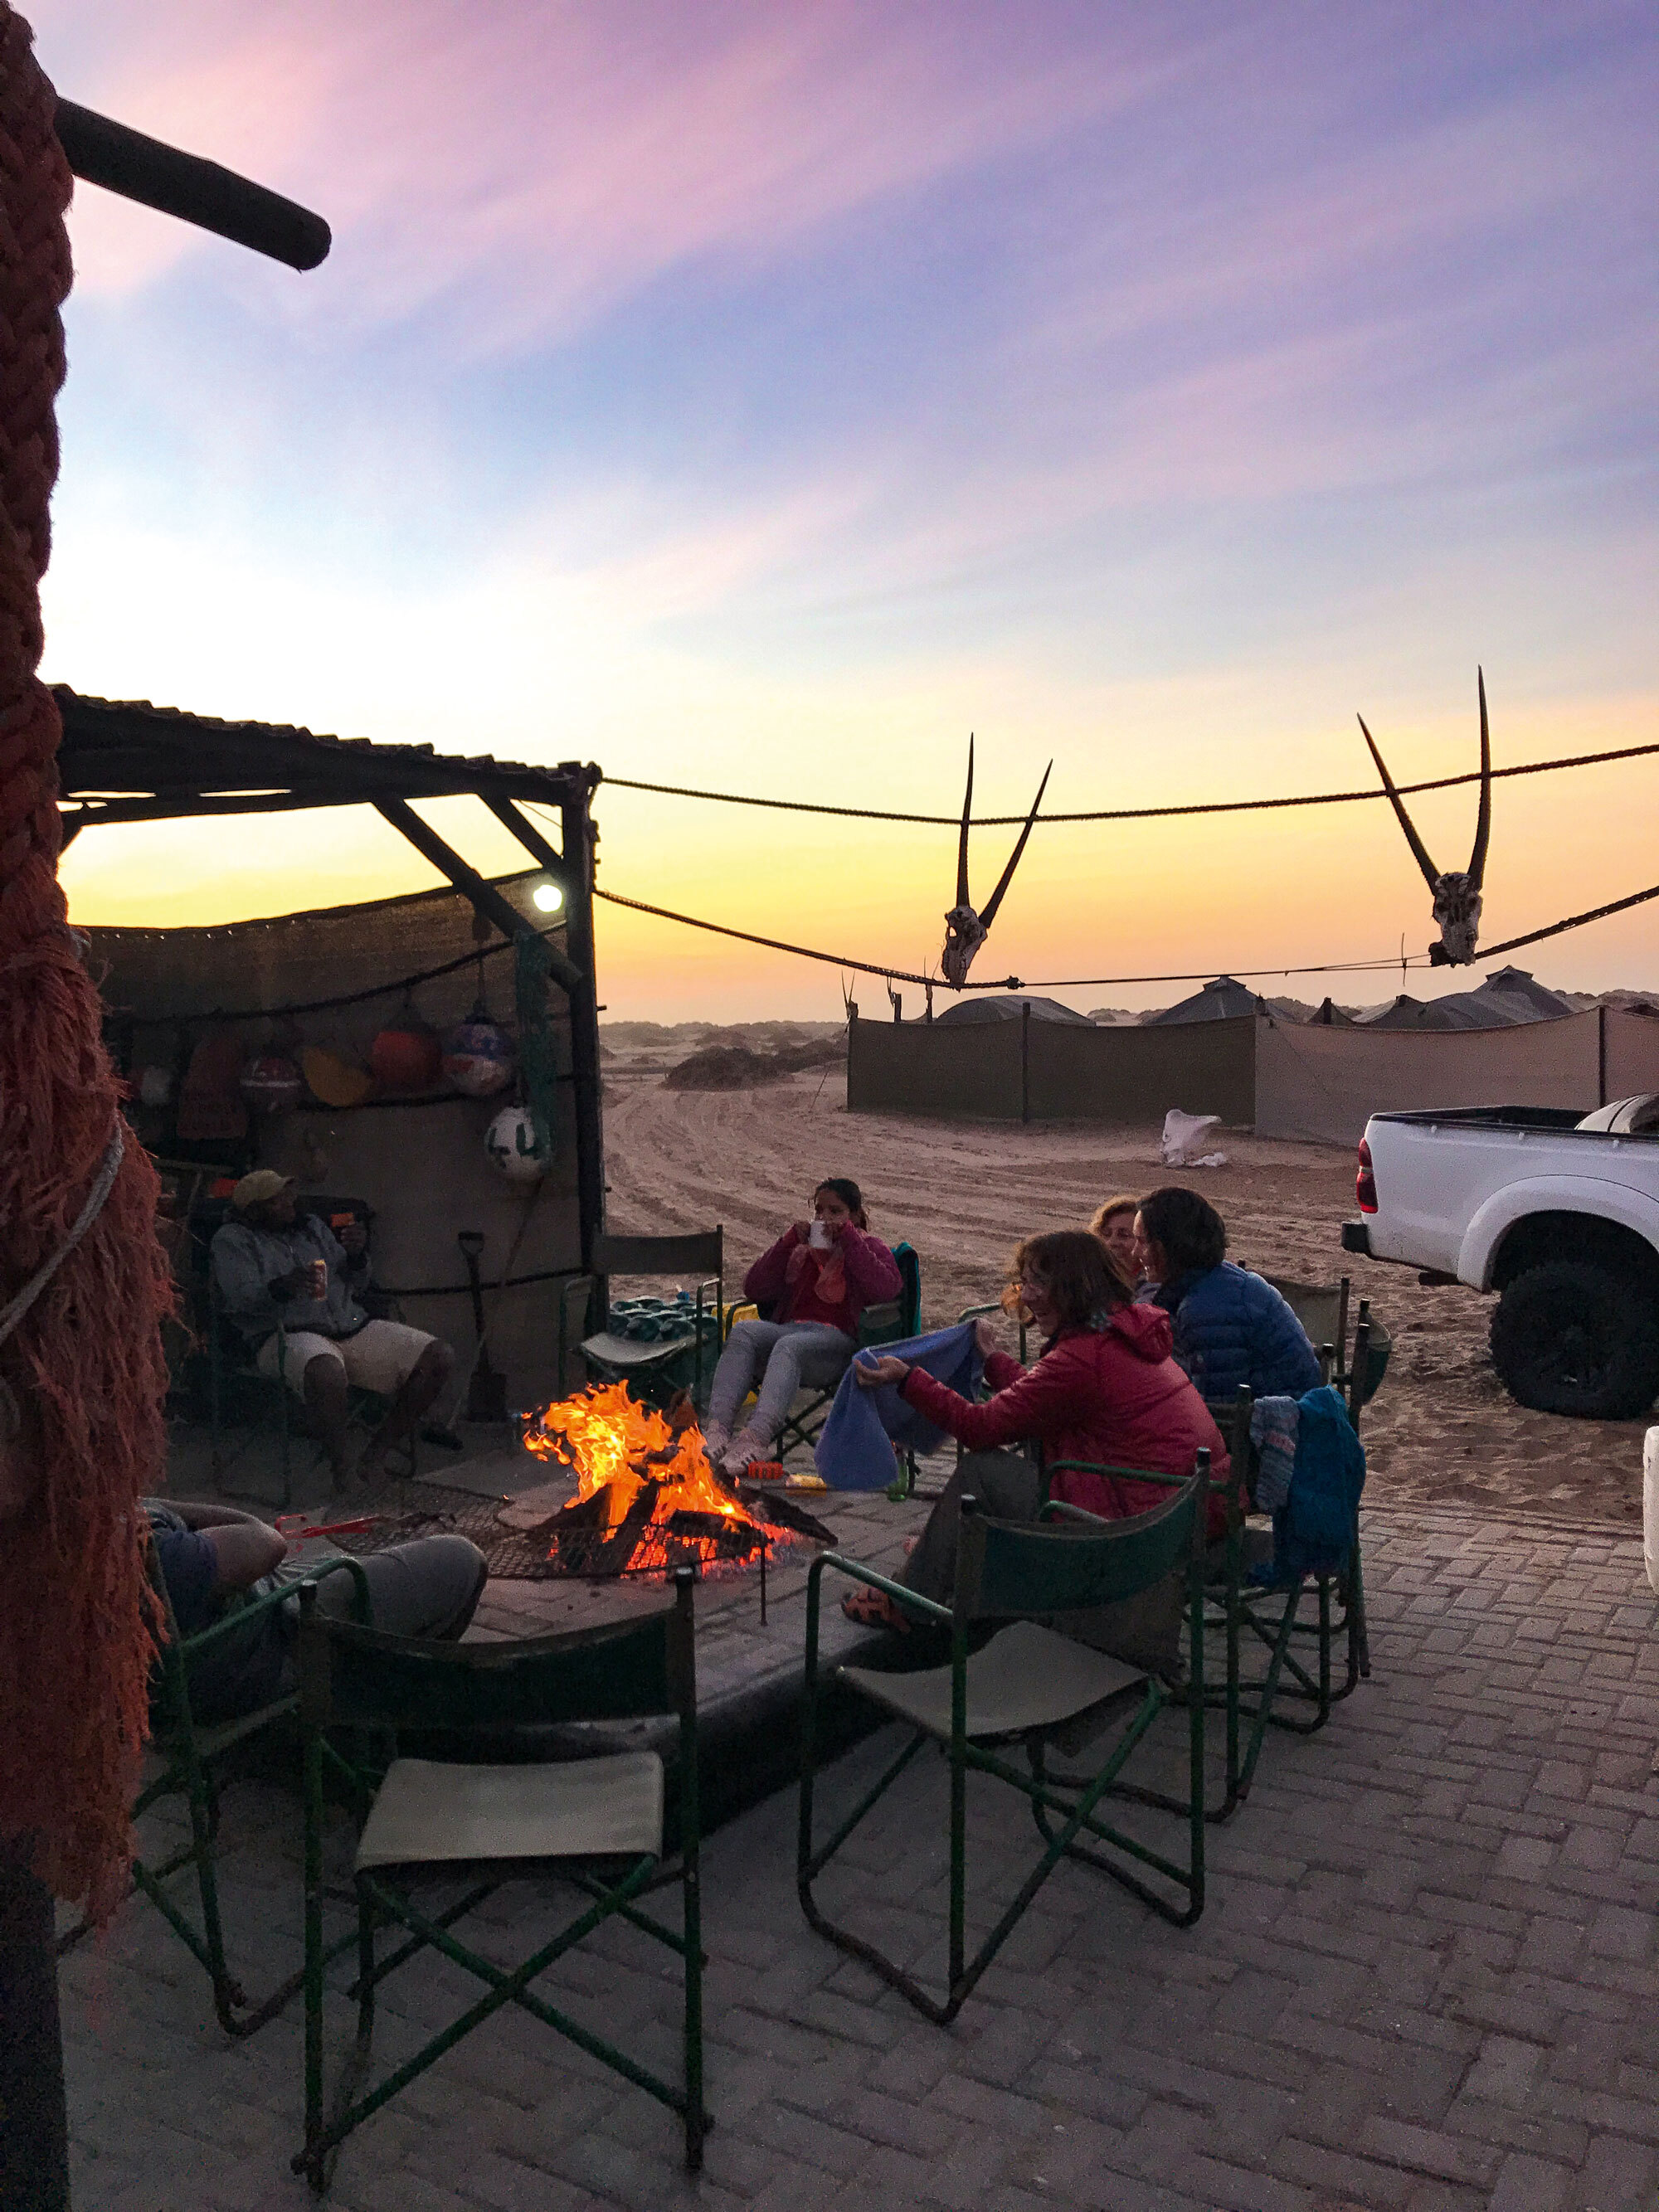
(854,1450)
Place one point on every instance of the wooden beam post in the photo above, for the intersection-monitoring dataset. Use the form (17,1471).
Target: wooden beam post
(124,160)
(485,899)
(579,838)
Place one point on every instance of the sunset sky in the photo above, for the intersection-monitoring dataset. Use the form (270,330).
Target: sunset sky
(765,397)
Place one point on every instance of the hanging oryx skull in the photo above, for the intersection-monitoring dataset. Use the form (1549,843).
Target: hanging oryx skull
(964,930)
(1456,897)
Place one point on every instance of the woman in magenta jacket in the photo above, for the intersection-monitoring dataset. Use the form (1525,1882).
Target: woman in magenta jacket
(817,1278)
(1106,1390)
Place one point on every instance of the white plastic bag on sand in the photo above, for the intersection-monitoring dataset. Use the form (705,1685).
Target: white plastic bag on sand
(1184,1137)
(1650,1509)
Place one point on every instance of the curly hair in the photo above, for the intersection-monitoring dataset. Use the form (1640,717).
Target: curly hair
(1073,1266)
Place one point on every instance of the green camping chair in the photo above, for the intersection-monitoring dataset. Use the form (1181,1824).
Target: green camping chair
(891,1322)
(1275,1620)
(1249,1615)
(656,1368)
(192,1762)
(597,1822)
(1027,1685)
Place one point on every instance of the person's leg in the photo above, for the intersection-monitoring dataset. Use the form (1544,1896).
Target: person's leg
(322,1387)
(404,1364)
(1006,1486)
(806,1352)
(742,1360)
(428,1587)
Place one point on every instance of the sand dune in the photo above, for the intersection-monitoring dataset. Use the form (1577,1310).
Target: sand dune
(963,1193)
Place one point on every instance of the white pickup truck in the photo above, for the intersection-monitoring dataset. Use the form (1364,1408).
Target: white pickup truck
(1557,1214)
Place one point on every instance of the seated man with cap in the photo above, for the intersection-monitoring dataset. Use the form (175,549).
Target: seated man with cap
(277,1268)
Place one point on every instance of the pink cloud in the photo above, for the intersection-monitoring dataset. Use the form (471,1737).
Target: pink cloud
(549,159)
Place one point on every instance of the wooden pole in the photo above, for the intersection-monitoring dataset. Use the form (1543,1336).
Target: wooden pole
(102,152)
(580,836)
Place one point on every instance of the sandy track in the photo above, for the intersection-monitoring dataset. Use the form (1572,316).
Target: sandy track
(963,1194)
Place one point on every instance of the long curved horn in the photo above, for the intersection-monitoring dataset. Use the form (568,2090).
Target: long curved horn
(1420,850)
(1483,820)
(962,846)
(988,915)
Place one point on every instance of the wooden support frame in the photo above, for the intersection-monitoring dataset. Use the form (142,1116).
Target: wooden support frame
(484,898)
(575,869)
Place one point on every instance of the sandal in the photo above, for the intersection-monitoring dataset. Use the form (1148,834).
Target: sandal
(874,1608)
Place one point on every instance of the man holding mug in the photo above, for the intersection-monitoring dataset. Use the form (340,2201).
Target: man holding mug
(273,1266)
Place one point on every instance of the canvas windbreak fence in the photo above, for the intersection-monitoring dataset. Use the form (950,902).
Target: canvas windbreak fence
(1283,1079)
(232,992)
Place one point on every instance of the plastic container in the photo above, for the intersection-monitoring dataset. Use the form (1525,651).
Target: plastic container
(1650,1509)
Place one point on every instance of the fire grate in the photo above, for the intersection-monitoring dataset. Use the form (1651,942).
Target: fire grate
(424,1509)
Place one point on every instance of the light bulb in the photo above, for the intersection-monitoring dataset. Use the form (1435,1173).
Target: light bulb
(549,897)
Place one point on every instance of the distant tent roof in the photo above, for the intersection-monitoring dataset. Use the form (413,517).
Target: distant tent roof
(1008,1009)
(1330,1016)
(1465,1010)
(1518,984)
(1220,1001)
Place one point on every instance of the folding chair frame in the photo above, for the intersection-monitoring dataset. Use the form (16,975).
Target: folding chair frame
(657,1256)
(382,1902)
(1066,1809)
(191,1754)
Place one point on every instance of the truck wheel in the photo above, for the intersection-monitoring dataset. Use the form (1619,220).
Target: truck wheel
(1571,1337)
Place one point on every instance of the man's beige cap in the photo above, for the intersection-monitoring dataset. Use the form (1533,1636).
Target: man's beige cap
(255,1189)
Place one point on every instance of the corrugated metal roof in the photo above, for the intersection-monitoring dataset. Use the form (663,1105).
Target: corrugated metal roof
(135,749)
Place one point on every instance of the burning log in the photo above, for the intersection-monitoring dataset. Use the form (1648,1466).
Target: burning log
(648,1499)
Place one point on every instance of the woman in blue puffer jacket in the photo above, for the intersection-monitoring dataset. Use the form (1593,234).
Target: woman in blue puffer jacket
(1232,1328)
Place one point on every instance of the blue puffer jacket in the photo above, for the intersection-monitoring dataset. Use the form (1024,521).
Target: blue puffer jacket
(1233,1328)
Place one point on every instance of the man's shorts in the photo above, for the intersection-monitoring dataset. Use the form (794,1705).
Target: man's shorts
(380,1357)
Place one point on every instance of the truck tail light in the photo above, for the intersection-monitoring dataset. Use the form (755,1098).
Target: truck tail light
(1365,1184)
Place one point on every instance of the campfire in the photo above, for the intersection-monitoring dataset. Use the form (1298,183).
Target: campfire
(646,1500)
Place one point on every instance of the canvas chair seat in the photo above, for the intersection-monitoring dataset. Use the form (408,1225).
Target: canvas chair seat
(1027,1677)
(614,1351)
(429,1812)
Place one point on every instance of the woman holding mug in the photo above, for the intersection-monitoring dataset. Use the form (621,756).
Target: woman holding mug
(817,1278)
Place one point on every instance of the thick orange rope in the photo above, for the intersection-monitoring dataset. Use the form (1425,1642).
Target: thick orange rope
(86,1365)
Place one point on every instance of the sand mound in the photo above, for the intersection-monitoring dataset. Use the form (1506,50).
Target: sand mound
(738,1067)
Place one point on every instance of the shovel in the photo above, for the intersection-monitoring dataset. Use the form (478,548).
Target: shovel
(486,1393)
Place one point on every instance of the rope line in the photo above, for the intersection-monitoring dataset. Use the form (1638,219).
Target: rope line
(1090,982)
(1572,921)
(1131,813)
(1001,982)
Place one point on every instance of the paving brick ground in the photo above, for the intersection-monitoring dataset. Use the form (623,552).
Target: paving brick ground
(1426,1978)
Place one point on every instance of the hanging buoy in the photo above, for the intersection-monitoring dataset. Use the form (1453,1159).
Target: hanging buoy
(334,1080)
(478,1056)
(510,1142)
(271,1084)
(406,1055)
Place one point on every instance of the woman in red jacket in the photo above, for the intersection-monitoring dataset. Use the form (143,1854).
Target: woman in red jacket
(1106,1390)
(817,1278)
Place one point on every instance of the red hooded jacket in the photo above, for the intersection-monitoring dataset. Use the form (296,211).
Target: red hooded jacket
(1114,1395)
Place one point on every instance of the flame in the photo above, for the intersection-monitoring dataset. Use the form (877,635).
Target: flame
(613,1443)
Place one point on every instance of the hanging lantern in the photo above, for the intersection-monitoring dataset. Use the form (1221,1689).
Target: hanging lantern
(510,1142)
(479,1056)
(271,1084)
(406,1055)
